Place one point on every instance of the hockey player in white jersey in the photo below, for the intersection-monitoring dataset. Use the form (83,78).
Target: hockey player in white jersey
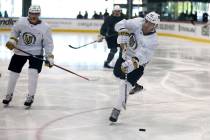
(31,35)
(138,40)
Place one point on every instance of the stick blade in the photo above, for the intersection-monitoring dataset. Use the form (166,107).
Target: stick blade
(73,47)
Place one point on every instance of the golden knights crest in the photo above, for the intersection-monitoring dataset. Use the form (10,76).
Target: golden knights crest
(132,41)
(29,38)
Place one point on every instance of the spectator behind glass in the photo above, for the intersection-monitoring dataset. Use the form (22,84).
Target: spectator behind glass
(106,14)
(0,14)
(95,15)
(6,14)
(79,16)
(101,16)
(86,15)
(194,18)
(205,17)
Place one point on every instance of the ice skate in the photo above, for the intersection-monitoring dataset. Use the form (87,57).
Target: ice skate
(106,65)
(136,89)
(29,101)
(7,99)
(114,115)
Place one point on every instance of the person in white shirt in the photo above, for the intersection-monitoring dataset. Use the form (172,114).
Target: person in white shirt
(138,40)
(31,35)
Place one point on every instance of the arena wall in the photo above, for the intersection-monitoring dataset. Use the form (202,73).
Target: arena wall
(169,29)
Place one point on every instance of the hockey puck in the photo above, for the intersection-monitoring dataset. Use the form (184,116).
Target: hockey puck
(142,129)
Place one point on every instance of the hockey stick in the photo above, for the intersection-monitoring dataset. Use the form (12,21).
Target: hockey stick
(53,64)
(89,43)
(126,81)
(126,96)
(82,45)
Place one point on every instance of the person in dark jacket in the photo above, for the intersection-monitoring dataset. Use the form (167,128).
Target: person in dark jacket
(106,14)
(79,16)
(95,15)
(205,17)
(108,33)
(5,14)
(86,15)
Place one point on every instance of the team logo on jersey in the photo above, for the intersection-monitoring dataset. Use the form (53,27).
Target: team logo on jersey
(132,41)
(29,38)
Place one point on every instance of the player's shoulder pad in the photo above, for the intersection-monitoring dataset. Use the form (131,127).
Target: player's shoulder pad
(44,23)
(136,22)
(139,19)
(22,19)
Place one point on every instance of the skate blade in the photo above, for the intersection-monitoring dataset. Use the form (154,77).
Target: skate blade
(27,107)
(112,123)
(138,92)
(6,105)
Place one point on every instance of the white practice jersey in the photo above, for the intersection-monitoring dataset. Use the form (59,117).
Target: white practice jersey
(32,38)
(145,44)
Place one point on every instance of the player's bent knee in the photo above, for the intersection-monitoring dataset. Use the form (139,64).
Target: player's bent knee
(117,73)
(114,50)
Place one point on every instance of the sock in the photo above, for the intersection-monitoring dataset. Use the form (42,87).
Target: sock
(121,96)
(13,77)
(32,81)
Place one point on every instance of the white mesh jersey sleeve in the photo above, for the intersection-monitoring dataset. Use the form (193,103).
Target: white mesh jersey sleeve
(48,41)
(145,51)
(131,24)
(16,29)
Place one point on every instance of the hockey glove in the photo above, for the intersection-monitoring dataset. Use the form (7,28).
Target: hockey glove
(130,65)
(123,36)
(12,43)
(49,60)
(100,38)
